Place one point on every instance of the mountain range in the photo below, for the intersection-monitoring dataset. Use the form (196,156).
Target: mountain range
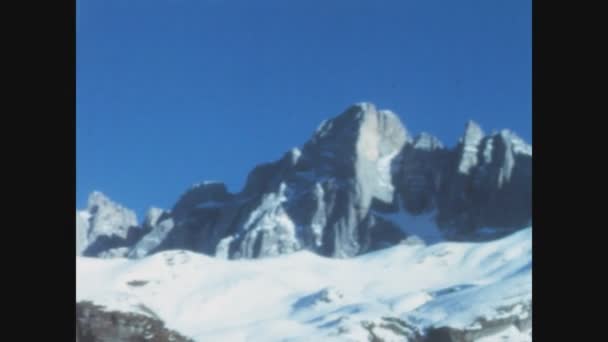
(453,223)
(356,186)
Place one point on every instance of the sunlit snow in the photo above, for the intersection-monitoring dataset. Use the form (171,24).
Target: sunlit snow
(306,297)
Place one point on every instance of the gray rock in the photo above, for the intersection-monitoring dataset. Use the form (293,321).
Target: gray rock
(484,327)
(155,236)
(108,218)
(105,225)
(153,216)
(333,195)
(95,323)
(468,153)
(495,192)
(316,198)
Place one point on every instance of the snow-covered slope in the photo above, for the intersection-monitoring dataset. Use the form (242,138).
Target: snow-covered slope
(306,297)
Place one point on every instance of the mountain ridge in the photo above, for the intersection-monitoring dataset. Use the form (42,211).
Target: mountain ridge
(330,196)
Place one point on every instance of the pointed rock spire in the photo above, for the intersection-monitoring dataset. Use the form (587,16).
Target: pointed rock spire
(470,146)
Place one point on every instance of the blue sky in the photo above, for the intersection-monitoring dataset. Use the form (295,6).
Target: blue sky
(173,92)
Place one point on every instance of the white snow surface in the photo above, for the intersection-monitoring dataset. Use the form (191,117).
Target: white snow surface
(306,297)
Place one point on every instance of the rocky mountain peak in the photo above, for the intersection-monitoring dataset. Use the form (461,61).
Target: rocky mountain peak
(107,217)
(201,195)
(469,147)
(472,133)
(361,122)
(360,183)
(98,199)
(426,141)
(361,135)
(104,225)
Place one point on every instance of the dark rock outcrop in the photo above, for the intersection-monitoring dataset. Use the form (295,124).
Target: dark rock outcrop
(480,328)
(485,327)
(94,324)
(481,189)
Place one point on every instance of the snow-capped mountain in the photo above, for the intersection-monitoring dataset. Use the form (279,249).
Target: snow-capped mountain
(364,233)
(360,183)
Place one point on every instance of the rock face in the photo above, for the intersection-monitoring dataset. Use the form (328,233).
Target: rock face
(335,195)
(105,228)
(480,189)
(483,327)
(508,323)
(157,224)
(395,329)
(317,198)
(93,324)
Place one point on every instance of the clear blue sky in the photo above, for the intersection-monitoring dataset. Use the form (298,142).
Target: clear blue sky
(173,92)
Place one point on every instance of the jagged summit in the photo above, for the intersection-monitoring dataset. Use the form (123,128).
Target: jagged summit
(105,226)
(472,131)
(469,146)
(97,198)
(360,183)
(356,117)
(108,217)
(426,141)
